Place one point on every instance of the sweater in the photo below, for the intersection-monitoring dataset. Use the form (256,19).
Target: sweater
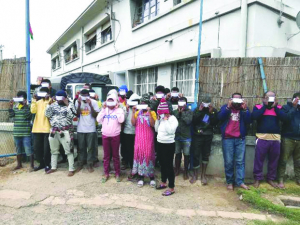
(291,124)
(111,121)
(22,119)
(244,119)
(41,123)
(183,131)
(267,119)
(166,130)
(204,128)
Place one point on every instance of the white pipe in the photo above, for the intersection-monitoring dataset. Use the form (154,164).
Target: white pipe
(243,35)
(81,48)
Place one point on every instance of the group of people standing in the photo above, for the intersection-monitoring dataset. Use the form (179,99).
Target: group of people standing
(151,129)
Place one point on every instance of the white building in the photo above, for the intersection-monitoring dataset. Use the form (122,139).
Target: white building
(143,43)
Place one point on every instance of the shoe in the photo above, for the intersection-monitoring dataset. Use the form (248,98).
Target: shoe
(50,171)
(152,183)
(71,173)
(40,167)
(47,168)
(90,169)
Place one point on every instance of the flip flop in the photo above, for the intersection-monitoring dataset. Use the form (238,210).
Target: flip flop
(168,193)
(104,179)
(161,186)
(153,183)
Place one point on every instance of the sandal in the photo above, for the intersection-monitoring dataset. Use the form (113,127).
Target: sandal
(118,179)
(161,186)
(168,193)
(104,179)
(140,183)
(153,183)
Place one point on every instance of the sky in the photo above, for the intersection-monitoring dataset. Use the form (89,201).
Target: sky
(48,18)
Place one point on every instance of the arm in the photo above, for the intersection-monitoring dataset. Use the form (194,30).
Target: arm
(101,115)
(154,104)
(11,109)
(152,118)
(176,114)
(120,115)
(170,107)
(49,112)
(33,107)
(224,113)
(172,125)
(197,116)
(213,117)
(94,108)
(281,114)
(187,117)
(258,113)
(246,116)
(134,116)
(156,125)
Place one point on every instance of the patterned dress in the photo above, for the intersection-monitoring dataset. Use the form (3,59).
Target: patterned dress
(144,152)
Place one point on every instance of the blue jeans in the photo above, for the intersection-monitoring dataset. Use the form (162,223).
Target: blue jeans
(23,142)
(234,157)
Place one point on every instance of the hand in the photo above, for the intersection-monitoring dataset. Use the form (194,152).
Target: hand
(24,102)
(201,107)
(51,101)
(79,101)
(35,96)
(295,102)
(134,109)
(244,105)
(88,101)
(154,98)
(211,109)
(275,103)
(148,109)
(66,101)
(127,108)
(117,105)
(180,95)
(168,96)
(96,97)
(180,110)
(11,104)
(166,117)
(229,105)
(104,105)
(158,117)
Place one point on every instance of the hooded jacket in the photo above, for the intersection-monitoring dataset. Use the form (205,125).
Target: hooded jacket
(291,124)
(199,125)
(183,132)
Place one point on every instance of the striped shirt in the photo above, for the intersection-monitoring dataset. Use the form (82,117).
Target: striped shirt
(22,118)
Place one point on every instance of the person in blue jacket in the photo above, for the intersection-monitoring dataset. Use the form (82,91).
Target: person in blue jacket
(234,118)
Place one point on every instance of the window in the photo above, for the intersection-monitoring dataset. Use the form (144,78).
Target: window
(145,80)
(145,10)
(183,77)
(55,63)
(71,53)
(91,42)
(176,2)
(106,35)
(67,55)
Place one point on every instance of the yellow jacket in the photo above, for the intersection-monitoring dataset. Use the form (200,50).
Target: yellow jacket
(41,123)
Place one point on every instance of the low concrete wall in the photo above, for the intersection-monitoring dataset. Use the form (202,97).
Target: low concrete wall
(216,161)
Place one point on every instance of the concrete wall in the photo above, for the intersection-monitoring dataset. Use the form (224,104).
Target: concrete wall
(216,161)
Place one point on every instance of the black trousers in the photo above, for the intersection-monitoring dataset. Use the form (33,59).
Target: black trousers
(42,148)
(129,148)
(201,147)
(123,146)
(166,155)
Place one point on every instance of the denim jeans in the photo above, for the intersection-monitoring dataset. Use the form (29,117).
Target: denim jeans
(23,142)
(234,158)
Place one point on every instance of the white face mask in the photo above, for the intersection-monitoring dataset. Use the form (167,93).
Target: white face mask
(237,100)
(92,94)
(59,98)
(174,94)
(271,99)
(84,98)
(181,104)
(142,106)
(18,99)
(45,85)
(205,105)
(122,92)
(132,103)
(42,94)
(111,103)
(160,95)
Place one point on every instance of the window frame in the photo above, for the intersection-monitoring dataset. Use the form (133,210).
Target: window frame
(104,37)
(147,83)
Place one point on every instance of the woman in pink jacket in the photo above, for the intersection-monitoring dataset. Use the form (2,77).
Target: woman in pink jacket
(111,117)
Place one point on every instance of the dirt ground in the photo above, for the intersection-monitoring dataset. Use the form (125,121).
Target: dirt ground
(37,198)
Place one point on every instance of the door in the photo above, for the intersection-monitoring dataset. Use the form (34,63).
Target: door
(119,79)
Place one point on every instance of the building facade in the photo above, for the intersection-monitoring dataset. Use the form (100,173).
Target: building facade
(143,43)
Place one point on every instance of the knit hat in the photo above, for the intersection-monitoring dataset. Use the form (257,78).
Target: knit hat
(146,98)
(123,87)
(163,107)
(61,93)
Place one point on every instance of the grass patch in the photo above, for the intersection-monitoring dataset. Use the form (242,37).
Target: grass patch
(253,196)
(258,222)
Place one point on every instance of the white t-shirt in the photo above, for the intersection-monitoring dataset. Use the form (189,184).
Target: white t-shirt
(87,123)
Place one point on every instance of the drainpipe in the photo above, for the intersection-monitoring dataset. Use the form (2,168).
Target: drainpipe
(243,35)
(262,73)
(81,48)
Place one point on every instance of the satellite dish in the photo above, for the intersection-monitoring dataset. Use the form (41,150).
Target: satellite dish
(298,20)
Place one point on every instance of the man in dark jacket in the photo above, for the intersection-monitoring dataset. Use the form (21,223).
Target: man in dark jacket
(160,93)
(268,116)
(204,119)
(234,118)
(183,136)
(290,139)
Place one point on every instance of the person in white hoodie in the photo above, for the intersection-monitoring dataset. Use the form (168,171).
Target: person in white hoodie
(165,127)
(111,117)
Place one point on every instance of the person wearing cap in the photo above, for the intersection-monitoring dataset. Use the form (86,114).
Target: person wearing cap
(87,111)
(22,128)
(129,132)
(183,136)
(290,139)
(41,129)
(204,120)
(111,117)
(166,126)
(122,94)
(144,153)
(268,116)
(60,114)
(234,118)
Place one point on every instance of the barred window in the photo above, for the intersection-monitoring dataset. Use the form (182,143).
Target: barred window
(145,80)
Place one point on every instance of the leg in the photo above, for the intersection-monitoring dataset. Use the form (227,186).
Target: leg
(130,138)
(274,154)
(63,155)
(206,149)
(170,150)
(66,143)
(261,150)
(28,150)
(38,147)
(197,143)
(286,151)
(123,147)
(106,157)
(96,153)
(115,146)
(18,143)
(47,153)
(240,150)
(55,146)
(186,153)
(178,156)
(162,155)
(296,159)
(228,154)
(90,140)
(81,149)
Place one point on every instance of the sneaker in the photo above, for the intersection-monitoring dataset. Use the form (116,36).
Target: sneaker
(47,168)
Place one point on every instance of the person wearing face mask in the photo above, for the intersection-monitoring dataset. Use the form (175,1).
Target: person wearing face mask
(268,116)
(166,126)
(111,117)
(160,93)
(234,118)
(22,128)
(290,139)
(122,94)
(174,96)
(41,129)
(204,120)
(87,111)
(183,136)
(60,114)
(94,96)
(144,154)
